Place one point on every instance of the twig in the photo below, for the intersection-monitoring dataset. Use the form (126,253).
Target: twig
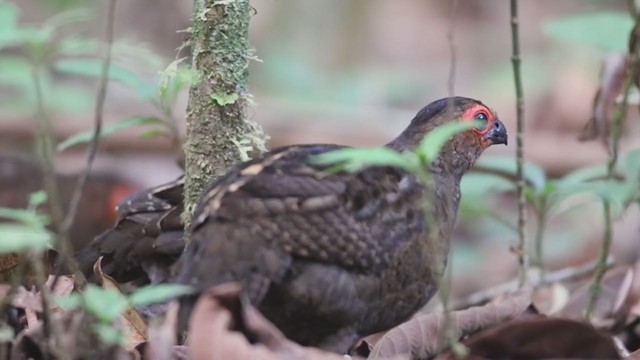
(45,149)
(65,248)
(618,119)
(99,112)
(541,224)
(536,279)
(449,330)
(45,146)
(523,257)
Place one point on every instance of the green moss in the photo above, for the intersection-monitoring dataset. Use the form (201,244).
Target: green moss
(225,99)
(218,135)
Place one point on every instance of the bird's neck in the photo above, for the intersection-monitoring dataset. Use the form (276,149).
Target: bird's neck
(409,139)
(446,200)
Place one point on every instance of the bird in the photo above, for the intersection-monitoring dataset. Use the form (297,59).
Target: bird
(331,257)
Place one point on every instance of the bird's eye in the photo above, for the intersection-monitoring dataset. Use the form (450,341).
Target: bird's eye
(481,116)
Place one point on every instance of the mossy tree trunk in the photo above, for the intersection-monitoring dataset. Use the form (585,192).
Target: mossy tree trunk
(218,134)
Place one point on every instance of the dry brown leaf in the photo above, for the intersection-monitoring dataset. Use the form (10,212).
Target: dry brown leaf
(134,323)
(612,75)
(421,337)
(162,338)
(64,286)
(550,299)
(542,338)
(633,356)
(222,323)
(25,299)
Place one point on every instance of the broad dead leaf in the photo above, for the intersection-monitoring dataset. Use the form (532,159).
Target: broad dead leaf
(222,324)
(64,286)
(612,77)
(421,337)
(542,338)
(134,323)
(551,299)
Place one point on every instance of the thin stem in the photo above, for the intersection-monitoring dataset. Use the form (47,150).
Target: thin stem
(449,331)
(66,248)
(616,127)
(541,223)
(523,257)
(98,116)
(45,148)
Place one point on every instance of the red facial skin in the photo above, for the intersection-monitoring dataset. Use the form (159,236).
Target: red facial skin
(470,115)
(118,193)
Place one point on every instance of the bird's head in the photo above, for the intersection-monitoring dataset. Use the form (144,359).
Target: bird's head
(464,148)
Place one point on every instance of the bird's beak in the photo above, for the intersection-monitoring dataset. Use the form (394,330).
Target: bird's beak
(497,134)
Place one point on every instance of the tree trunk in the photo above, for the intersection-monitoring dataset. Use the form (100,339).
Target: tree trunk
(218,135)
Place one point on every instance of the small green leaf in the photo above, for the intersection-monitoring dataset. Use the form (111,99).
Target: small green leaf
(109,334)
(632,166)
(106,304)
(606,30)
(68,17)
(225,99)
(109,129)
(93,68)
(153,133)
(173,79)
(74,46)
(26,217)
(18,238)
(354,159)
(8,16)
(434,140)
(157,293)
(581,176)
(37,198)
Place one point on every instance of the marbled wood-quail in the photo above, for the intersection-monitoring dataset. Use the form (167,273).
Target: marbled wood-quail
(332,258)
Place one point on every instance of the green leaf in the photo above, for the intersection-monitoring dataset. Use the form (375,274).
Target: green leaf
(606,30)
(225,99)
(434,140)
(582,175)
(74,46)
(153,133)
(109,334)
(173,79)
(157,293)
(109,129)
(632,166)
(8,16)
(26,217)
(93,68)
(68,17)
(354,159)
(106,304)
(37,198)
(18,238)
(507,164)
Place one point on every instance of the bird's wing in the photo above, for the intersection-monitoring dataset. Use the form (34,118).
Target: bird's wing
(148,231)
(281,200)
